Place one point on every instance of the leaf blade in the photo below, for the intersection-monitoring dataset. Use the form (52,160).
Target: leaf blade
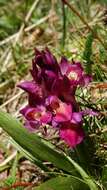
(34,144)
(62,183)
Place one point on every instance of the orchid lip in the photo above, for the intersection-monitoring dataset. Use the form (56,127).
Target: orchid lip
(72,134)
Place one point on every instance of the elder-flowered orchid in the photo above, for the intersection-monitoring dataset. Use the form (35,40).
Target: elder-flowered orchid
(74,72)
(67,122)
(51,96)
(72,134)
(36,116)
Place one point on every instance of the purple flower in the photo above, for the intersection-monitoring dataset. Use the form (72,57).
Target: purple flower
(67,122)
(51,96)
(89,112)
(74,71)
(45,60)
(35,92)
(31,87)
(72,134)
(36,117)
(63,113)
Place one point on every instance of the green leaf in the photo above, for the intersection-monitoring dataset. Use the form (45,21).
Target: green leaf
(41,149)
(88,180)
(62,183)
(88,53)
(82,159)
(36,146)
(104,176)
(26,154)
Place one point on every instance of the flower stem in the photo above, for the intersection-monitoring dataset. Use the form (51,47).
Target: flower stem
(64,24)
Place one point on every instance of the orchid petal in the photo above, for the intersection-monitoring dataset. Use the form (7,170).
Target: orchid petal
(32,125)
(63,113)
(72,135)
(89,112)
(76,117)
(64,66)
(29,86)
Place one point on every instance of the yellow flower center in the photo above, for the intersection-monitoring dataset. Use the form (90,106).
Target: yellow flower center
(37,115)
(73,75)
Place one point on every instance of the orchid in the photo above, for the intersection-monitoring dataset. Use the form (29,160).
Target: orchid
(51,96)
(35,116)
(74,72)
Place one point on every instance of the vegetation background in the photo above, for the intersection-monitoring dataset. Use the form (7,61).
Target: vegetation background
(77,30)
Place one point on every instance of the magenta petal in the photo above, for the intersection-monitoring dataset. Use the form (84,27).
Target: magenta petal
(39,61)
(56,88)
(36,75)
(60,117)
(46,118)
(63,113)
(64,66)
(89,112)
(31,113)
(34,70)
(55,124)
(35,100)
(29,86)
(52,102)
(35,92)
(50,59)
(78,66)
(28,112)
(76,117)
(40,114)
(32,125)
(49,79)
(86,79)
(45,60)
(24,110)
(36,116)
(37,52)
(72,135)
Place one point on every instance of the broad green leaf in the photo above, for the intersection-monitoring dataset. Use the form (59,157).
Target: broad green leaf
(82,159)
(33,144)
(88,180)
(62,183)
(25,153)
(41,149)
